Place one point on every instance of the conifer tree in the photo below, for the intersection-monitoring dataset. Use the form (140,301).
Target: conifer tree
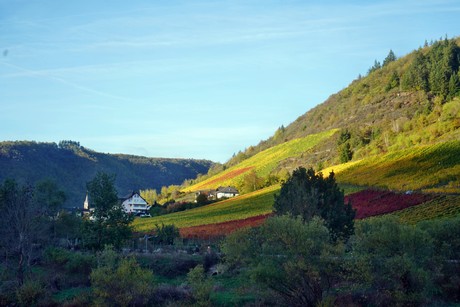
(308,194)
(390,58)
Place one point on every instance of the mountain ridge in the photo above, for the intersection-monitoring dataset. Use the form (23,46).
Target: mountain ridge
(72,165)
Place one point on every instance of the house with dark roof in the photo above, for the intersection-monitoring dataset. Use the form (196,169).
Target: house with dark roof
(134,203)
(226,192)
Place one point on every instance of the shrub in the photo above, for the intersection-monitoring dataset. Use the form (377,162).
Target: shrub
(392,262)
(80,263)
(170,265)
(166,234)
(56,255)
(201,286)
(169,294)
(292,258)
(30,293)
(123,284)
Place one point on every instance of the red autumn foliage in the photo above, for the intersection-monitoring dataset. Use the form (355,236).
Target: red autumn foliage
(221,229)
(372,202)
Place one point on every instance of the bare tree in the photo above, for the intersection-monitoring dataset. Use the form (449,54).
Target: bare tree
(24,226)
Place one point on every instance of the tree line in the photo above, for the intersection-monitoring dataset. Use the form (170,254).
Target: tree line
(435,70)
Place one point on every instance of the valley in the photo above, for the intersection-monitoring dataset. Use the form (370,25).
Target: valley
(356,202)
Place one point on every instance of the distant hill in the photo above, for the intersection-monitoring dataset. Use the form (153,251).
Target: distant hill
(72,165)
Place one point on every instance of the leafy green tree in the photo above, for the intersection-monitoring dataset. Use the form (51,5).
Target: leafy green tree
(392,262)
(279,133)
(393,81)
(444,235)
(344,148)
(344,136)
(156,209)
(201,199)
(345,153)
(308,194)
(68,226)
(454,85)
(48,195)
(251,182)
(391,57)
(416,76)
(375,67)
(201,286)
(166,234)
(121,282)
(109,223)
(150,195)
(293,258)
(444,62)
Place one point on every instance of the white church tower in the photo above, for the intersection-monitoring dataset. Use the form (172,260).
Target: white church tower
(86,203)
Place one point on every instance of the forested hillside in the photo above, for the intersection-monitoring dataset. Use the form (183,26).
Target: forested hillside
(72,165)
(403,102)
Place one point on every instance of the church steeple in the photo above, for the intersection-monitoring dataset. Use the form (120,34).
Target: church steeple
(86,202)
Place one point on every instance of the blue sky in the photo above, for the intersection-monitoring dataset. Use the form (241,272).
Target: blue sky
(191,79)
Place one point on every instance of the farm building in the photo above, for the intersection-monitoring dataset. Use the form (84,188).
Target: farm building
(226,192)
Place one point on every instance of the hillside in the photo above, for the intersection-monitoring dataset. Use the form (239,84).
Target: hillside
(428,169)
(397,128)
(267,162)
(412,100)
(72,165)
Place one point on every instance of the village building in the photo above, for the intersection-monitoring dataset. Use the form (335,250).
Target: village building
(135,204)
(219,193)
(132,203)
(226,192)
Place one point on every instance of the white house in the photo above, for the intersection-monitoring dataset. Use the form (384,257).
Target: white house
(226,192)
(134,203)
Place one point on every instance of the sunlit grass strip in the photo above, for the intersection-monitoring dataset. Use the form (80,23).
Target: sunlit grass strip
(444,206)
(264,162)
(223,177)
(245,206)
(432,167)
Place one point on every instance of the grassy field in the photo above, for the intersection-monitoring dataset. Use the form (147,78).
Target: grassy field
(264,162)
(245,206)
(252,204)
(432,168)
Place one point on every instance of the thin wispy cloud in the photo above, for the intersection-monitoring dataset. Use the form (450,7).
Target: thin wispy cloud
(49,76)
